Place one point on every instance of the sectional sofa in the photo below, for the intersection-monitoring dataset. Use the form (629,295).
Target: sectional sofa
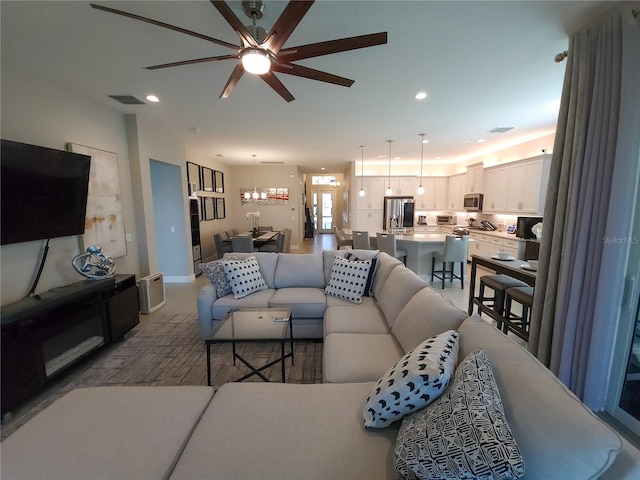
(292,431)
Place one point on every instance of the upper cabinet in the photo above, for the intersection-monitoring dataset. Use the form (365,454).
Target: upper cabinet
(475,178)
(374,188)
(435,193)
(456,191)
(517,187)
(405,186)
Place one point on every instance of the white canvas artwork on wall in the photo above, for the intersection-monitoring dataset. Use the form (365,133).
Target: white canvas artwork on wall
(104,221)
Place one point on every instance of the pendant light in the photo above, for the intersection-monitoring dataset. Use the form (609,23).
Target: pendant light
(389,190)
(421,188)
(362,192)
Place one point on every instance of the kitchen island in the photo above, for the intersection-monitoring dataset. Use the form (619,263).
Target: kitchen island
(419,247)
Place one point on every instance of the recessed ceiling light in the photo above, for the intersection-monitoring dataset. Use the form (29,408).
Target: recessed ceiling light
(322,168)
(425,141)
(480,140)
(152,98)
(421,95)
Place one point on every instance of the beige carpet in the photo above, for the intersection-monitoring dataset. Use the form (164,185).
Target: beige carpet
(168,351)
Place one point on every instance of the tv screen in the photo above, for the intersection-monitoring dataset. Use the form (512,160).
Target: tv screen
(44,192)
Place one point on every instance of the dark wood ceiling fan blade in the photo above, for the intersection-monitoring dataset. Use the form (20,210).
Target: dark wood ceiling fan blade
(166,25)
(233,79)
(235,22)
(331,46)
(286,24)
(306,72)
(275,83)
(192,62)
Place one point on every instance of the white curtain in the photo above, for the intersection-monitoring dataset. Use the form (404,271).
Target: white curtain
(599,107)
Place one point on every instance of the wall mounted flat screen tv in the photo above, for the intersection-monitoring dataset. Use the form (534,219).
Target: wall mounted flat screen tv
(44,192)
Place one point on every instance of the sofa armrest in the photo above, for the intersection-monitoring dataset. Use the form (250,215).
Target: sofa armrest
(206,297)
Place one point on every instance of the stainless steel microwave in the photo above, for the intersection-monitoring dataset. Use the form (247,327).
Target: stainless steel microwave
(473,202)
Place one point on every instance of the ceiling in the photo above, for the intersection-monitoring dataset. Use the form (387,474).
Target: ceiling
(483,64)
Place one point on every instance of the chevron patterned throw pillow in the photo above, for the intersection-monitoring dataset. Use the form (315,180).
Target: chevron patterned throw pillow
(414,382)
(463,434)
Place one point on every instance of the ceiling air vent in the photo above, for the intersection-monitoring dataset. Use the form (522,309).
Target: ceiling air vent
(278,162)
(501,129)
(127,99)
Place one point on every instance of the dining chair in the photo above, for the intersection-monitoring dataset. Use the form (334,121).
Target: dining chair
(275,246)
(242,244)
(229,234)
(286,243)
(387,243)
(455,251)
(361,240)
(221,247)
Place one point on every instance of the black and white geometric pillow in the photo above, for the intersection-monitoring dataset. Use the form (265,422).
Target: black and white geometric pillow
(416,380)
(368,287)
(463,434)
(244,276)
(348,279)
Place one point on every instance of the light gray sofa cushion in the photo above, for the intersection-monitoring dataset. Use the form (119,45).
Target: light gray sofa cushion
(557,435)
(287,431)
(329,255)
(401,285)
(106,433)
(427,314)
(300,270)
(303,302)
(343,302)
(267,262)
(364,319)
(257,299)
(386,264)
(358,357)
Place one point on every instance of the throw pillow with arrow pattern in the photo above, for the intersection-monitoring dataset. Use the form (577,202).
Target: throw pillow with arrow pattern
(415,381)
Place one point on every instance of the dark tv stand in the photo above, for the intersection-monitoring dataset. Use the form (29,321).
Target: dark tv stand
(44,335)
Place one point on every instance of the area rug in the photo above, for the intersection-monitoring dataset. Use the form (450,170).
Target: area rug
(168,350)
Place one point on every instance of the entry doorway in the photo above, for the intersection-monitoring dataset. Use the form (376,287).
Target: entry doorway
(323,208)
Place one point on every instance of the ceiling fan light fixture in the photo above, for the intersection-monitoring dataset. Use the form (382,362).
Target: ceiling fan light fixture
(256,60)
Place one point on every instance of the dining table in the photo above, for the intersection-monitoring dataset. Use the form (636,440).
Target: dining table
(264,238)
(513,267)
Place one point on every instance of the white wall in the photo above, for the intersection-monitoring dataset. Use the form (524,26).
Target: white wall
(39,112)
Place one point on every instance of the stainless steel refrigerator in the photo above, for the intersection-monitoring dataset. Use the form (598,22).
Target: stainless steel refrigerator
(398,212)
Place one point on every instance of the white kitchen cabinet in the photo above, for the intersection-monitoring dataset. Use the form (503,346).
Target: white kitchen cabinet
(518,187)
(496,180)
(435,193)
(526,192)
(440,193)
(488,244)
(456,191)
(374,193)
(475,175)
(405,186)
(370,220)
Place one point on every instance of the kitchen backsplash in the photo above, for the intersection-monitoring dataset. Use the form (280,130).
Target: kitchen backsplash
(500,221)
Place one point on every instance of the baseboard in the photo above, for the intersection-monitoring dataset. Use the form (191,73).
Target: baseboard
(180,279)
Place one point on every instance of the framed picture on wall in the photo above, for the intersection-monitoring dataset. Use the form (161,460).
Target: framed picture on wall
(193,175)
(207,179)
(219,181)
(220,208)
(208,208)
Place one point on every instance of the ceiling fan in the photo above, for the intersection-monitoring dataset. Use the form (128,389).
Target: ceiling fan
(262,53)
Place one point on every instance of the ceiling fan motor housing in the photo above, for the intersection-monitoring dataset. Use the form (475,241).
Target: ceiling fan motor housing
(253,8)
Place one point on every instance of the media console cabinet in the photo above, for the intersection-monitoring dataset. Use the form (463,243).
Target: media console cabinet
(45,334)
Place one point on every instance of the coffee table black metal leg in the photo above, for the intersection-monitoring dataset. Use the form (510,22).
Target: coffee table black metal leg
(208,362)
(233,347)
(291,339)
